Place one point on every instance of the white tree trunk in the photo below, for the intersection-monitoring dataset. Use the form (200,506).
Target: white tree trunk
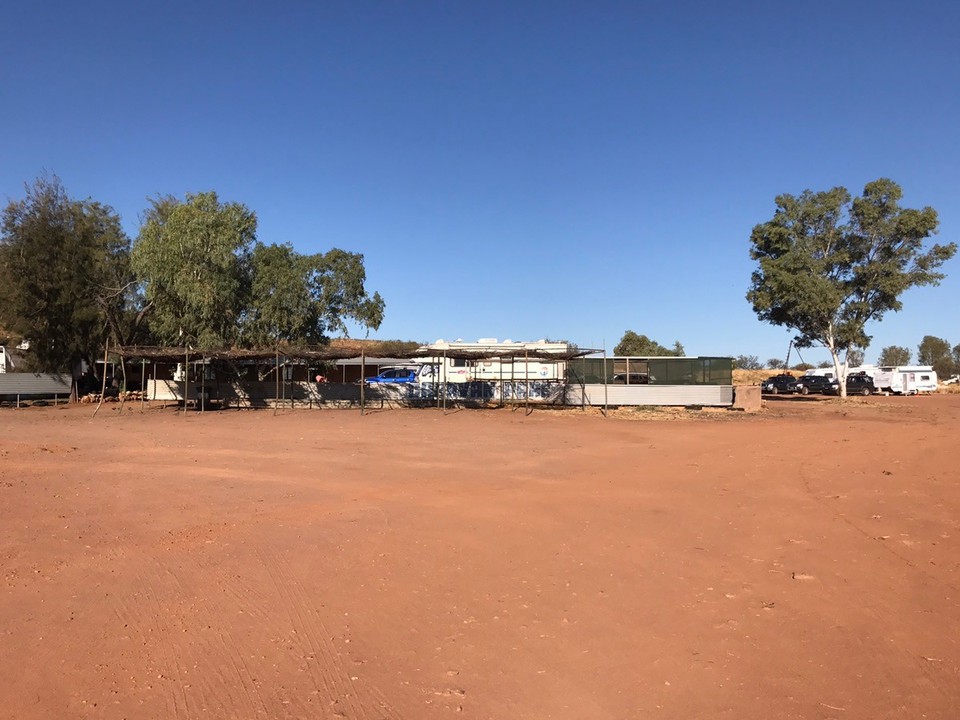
(839,369)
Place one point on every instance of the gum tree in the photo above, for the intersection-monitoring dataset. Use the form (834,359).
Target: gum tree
(828,264)
(894,355)
(210,284)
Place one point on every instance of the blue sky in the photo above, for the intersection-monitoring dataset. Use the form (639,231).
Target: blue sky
(508,169)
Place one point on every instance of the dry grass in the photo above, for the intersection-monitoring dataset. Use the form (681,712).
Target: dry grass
(755,377)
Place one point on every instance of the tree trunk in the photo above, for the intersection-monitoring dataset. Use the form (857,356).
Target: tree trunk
(839,371)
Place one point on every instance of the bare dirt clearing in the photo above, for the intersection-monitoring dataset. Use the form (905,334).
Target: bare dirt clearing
(798,563)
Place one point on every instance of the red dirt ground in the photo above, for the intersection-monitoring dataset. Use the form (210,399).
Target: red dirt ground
(797,563)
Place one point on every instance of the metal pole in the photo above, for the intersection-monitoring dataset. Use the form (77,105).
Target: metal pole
(605,406)
(500,360)
(143,383)
(276,381)
(203,384)
(186,377)
(513,382)
(526,363)
(444,380)
(103,385)
(363,379)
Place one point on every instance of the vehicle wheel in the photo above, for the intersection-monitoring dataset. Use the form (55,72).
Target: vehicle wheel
(773,390)
(865,392)
(804,390)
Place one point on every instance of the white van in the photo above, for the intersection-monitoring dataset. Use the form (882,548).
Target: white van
(906,379)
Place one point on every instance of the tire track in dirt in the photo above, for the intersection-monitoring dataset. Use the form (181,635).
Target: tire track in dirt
(196,666)
(201,666)
(361,700)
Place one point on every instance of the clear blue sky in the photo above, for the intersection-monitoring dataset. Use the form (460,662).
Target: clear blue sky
(508,169)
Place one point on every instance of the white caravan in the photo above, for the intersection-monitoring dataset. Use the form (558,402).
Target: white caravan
(906,379)
(440,368)
(827,372)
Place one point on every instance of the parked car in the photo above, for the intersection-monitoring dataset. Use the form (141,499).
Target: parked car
(816,384)
(394,375)
(859,384)
(781,384)
(631,379)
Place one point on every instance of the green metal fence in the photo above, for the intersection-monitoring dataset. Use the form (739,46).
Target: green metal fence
(651,371)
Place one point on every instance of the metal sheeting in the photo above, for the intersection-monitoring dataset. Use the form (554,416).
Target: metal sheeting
(33,384)
(686,395)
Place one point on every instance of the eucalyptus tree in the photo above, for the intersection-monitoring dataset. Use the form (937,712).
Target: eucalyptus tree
(827,264)
(305,298)
(894,355)
(211,284)
(193,257)
(632,344)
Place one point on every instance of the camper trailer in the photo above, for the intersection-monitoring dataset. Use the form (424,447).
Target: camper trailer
(906,379)
(3,359)
(828,372)
(441,368)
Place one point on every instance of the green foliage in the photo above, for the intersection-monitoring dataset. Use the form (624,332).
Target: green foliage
(212,285)
(825,364)
(802,367)
(633,345)
(932,349)
(65,280)
(775,364)
(302,298)
(747,362)
(855,357)
(936,352)
(194,257)
(894,355)
(828,264)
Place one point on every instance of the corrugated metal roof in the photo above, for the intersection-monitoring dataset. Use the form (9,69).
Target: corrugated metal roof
(26,384)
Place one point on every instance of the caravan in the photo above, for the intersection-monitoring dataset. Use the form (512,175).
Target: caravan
(906,379)
(827,372)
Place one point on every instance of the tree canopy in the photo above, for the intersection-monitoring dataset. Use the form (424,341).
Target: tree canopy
(747,362)
(65,280)
(936,352)
(302,298)
(894,355)
(827,264)
(194,257)
(211,284)
(634,345)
